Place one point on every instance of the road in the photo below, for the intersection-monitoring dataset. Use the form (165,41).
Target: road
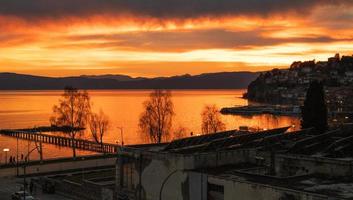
(11,185)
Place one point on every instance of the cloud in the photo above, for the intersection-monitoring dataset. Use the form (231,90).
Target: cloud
(14,39)
(160,9)
(112,34)
(184,41)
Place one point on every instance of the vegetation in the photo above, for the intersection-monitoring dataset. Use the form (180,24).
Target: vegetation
(156,119)
(211,120)
(180,132)
(73,111)
(99,125)
(314,111)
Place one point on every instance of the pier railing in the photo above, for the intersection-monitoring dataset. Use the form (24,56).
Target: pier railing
(62,141)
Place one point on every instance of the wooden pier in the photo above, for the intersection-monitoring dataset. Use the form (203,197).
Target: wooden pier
(62,141)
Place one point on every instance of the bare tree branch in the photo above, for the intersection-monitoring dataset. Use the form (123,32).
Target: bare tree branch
(180,132)
(99,125)
(73,111)
(156,120)
(211,120)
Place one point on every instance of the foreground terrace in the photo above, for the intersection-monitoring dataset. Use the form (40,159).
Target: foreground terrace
(234,163)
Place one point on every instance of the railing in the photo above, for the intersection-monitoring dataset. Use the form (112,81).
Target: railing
(63,141)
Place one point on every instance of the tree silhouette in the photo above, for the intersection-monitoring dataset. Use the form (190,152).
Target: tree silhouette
(156,119)
(211,120)
(99,125)
(73,111)
(179,132)
(314,111)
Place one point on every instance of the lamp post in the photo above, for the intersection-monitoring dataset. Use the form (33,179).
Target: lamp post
(83,169)
(24,169)
(17,171)
(6,150)
(121,135)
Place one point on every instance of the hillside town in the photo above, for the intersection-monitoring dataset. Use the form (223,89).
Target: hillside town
(288,86)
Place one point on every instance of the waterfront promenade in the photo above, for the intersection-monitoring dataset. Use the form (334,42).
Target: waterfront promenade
(12,175)
(60,165)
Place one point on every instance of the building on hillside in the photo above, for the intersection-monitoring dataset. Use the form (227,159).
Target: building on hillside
(321,64)
(295,65)
(334,60)
(232,165)
(349,73)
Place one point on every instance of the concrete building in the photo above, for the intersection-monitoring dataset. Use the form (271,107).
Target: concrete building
(232,165)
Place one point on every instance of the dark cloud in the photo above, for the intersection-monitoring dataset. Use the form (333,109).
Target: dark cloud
(340,18)
(183,41)
(13,39)
(161,9)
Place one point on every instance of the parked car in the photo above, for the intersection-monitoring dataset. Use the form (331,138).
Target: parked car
(19,196)
(28,198)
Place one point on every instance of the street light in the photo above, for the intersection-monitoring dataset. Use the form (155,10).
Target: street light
(83,169)
(121,135)
(6,150)
(26,161)
(17,170)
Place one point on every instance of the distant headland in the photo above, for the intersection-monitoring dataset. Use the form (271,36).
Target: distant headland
(221,80)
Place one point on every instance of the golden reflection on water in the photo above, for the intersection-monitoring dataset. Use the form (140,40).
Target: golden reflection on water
(26,109)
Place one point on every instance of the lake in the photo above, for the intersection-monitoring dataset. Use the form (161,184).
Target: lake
(27,109)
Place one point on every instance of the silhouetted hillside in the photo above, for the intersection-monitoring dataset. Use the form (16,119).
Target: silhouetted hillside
(117,77)
(224,80)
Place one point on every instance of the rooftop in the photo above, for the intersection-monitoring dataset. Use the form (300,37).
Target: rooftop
(312,183)
(336,143)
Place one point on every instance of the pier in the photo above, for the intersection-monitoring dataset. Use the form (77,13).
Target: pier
(258,110)
(62,141)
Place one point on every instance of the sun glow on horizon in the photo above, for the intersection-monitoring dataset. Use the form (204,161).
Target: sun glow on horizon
(146,46)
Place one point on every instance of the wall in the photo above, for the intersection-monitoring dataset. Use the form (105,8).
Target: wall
(157,172)
(181,185)
(198,186)
(298,165)
(85,191)
(158,166)
(221,158)
(60,166)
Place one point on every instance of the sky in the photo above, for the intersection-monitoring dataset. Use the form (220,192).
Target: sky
(169,37)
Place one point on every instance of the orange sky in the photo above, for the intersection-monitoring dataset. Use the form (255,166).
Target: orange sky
(169,37)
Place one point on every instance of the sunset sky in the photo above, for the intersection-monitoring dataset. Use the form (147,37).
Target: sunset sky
(169,37)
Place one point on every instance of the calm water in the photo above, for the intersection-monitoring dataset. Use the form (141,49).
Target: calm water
(26,109)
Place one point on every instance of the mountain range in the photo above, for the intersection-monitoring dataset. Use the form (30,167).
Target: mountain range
(221,80)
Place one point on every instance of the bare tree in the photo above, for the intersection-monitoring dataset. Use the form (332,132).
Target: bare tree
(156,119)
(99,125)
(211,120)
(73,111)
(179,132)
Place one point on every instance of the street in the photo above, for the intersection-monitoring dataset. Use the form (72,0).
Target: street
(10,185)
